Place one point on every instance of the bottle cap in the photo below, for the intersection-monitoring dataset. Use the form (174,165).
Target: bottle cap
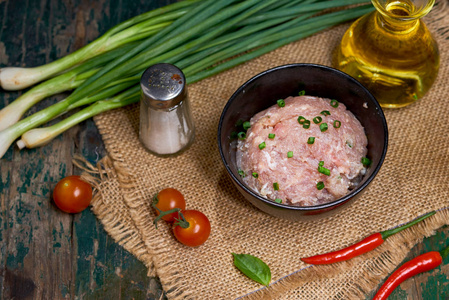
(163,86)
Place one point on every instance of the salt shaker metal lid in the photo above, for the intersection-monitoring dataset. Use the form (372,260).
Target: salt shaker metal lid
(163,86)
(166,123)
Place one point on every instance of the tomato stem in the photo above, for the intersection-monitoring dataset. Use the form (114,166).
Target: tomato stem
(164,213)
(182,221)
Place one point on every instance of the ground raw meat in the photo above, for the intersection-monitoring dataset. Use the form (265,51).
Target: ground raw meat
(341,149)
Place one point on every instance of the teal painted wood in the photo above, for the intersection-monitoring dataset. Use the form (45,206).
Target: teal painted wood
(47,254)
(44,253)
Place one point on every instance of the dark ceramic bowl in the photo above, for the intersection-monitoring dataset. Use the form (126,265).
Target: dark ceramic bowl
(261,91)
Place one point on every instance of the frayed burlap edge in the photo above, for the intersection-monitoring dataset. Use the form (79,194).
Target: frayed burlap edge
(383,260)
(386,257)
(124,232)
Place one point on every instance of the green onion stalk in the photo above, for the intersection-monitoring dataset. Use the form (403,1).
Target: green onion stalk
(15,78)
(13,112)
(41,136)
(206,51)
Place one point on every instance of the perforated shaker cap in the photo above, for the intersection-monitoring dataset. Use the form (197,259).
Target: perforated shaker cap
(163,86)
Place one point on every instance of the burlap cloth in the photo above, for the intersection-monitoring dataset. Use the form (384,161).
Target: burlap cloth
(412,181)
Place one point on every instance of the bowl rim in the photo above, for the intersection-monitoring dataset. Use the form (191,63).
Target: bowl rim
(336,202)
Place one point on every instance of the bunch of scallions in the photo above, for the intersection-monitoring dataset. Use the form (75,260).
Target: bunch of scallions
(201,37)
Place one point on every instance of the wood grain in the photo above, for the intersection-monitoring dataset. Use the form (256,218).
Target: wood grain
(47,254)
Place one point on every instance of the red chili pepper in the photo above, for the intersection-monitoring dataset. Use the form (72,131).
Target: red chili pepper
(369,243)
(422,263)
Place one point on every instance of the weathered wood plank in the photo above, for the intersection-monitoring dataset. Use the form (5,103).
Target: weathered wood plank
(44,253)
(47,254)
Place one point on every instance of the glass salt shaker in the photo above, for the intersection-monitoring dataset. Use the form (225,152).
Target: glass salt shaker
(166,123)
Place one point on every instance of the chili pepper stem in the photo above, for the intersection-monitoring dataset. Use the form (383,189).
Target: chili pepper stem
(367,244)
(444,253)
(387,233)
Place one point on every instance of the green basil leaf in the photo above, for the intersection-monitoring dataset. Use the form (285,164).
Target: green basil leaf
(253,267)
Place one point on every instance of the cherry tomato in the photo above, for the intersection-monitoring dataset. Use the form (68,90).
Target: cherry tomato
(169,199)
(72,195)
(198,229)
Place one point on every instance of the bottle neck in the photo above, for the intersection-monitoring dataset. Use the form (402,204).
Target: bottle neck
(402,16)
(395,25)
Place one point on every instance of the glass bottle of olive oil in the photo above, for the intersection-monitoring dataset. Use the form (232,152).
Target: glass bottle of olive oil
(391,52)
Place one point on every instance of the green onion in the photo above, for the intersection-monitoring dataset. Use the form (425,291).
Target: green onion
(234,135)
(366,161)
(301,120)
(320,185)
(337,124)
(271,135)
(325,113)
(133,29)
(317,120)
(212,43)
(278,200)
(323,127)
(262,145)
(246,125)
(241,173)
(321,163)
(306,124)
(290,154)
(276,186)
(334,103)
(241,135)
(324,171)
(349,144)
(311,140)
(239,123)
(301,93)
(41,136)
(255,175)
(281,103)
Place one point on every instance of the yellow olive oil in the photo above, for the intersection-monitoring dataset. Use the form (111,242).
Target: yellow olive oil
(391,52)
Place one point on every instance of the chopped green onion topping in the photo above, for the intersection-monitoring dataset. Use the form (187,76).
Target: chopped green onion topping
(349,144)
(366,161)
(241,173)
(320,185)
(246,125)
(241,135)
(302,93)
(334,103)
(255,175)
(317,120)
(301,120)
(262,145)
(277,200)
(234,135)
(281,103)
(321,163)
(290,154)
(271,135)
(306,124)
(337,124)
(325,113)
(323,127)
(311,140)
(239,123)
(324,171)
(276,186)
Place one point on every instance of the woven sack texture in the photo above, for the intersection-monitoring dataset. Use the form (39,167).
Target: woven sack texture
(411,183)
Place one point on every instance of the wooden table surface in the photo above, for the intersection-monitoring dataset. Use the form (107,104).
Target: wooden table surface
(48,254)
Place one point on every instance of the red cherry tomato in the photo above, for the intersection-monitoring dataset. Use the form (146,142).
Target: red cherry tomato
(169,199)
(72,195)
(198,229)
